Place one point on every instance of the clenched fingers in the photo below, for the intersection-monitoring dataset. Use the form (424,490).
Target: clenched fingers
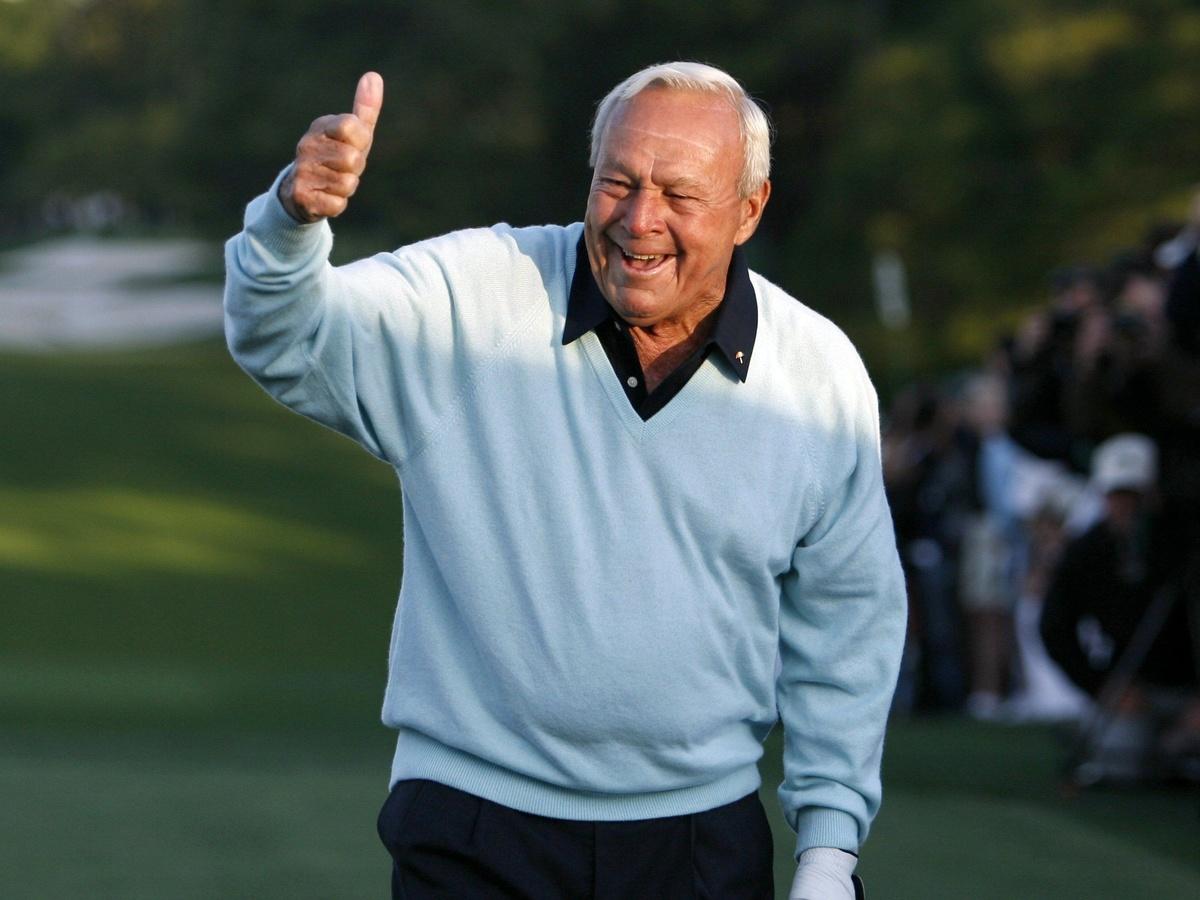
(317,177)
(348,129)
(310,195)
(317,147)
(332,155)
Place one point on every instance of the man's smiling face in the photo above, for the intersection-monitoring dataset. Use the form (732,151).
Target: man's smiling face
(664,213)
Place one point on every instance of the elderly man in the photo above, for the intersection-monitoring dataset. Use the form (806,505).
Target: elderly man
(643,509)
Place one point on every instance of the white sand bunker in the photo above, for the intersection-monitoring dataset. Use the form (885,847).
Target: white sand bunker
(83,292)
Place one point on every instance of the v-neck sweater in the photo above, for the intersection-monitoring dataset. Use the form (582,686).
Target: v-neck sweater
(600,617)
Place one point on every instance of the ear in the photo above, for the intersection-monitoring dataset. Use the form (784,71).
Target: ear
(752,210)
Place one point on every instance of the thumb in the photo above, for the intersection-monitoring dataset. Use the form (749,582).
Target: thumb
(368,98)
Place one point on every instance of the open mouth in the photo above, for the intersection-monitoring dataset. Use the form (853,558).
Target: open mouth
(643,262)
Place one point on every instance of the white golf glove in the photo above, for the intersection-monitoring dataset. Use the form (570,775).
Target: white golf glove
(824,874)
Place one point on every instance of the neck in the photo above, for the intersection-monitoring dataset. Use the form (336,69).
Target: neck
(661,347)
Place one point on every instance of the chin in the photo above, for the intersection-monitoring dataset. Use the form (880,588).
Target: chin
(630,299)
(637,313)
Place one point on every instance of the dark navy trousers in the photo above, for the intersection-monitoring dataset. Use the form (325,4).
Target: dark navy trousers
(449,844)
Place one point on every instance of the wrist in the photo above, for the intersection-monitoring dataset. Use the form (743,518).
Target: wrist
(287,200)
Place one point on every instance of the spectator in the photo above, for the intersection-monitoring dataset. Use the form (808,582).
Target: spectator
(1108,579)
(1044,361)
(928,487)
(1112,386)
(1182,256)
(986,493)
(990,546)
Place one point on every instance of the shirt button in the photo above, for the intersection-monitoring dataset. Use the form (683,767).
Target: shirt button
(631,381)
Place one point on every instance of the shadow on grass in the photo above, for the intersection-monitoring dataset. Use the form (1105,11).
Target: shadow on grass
(198,589)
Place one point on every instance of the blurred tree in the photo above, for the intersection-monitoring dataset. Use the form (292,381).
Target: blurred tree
(984,142)
(988,143)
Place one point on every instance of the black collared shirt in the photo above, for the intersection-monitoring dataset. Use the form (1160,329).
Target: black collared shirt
(732,335)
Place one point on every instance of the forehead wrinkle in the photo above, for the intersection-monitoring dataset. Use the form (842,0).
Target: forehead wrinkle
(675,145)
(706,145)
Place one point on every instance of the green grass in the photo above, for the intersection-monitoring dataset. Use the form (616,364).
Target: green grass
(975,810)
(162,814)
(158,507)
(197,589)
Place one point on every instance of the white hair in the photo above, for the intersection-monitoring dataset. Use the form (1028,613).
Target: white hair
(691,76)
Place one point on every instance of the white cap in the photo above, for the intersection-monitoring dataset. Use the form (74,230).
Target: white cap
(1126,462)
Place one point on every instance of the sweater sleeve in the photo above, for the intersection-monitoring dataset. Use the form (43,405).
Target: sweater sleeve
(371,349)
(842,622)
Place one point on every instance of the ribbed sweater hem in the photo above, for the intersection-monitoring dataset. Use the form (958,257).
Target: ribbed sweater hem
(419,756)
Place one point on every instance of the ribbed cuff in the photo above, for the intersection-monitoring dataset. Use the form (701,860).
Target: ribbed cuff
(820,826)
(277,232)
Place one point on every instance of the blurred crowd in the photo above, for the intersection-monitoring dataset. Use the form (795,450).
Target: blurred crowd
(1047,507)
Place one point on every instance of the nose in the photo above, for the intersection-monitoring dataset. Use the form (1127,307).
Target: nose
(643,212)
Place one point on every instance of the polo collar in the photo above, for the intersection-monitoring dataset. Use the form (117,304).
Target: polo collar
(733,332)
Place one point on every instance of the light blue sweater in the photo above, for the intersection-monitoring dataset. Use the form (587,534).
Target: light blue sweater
(601,617)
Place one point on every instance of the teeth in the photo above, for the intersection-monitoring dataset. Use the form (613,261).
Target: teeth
(641,256)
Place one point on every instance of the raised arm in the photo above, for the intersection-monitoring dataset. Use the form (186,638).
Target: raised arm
(322,341)
(378,349)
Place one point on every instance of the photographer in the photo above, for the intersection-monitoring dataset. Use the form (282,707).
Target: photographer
(1104,586)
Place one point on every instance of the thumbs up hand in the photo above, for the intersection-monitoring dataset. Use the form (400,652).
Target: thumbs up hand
(331,157)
